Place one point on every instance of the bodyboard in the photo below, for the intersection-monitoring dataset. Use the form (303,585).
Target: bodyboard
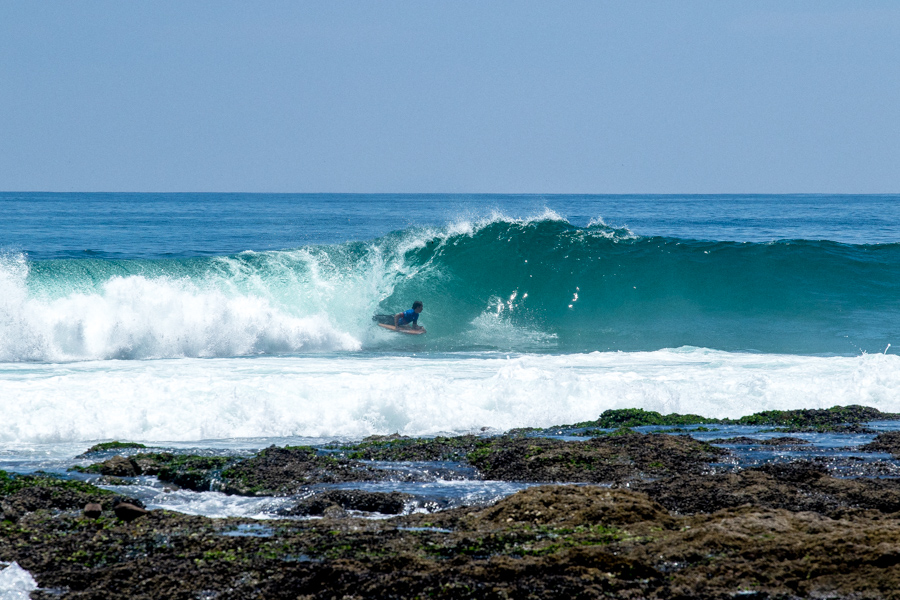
(419,331)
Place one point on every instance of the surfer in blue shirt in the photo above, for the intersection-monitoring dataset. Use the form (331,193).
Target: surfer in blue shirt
(409,317)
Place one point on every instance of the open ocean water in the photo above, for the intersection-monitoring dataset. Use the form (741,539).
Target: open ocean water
(235,321)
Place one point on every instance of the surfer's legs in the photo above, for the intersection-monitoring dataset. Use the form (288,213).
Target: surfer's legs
(385,319)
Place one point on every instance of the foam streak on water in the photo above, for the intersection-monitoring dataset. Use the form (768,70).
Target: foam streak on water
(355,396)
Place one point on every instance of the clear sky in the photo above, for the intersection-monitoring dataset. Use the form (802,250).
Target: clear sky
(416,96)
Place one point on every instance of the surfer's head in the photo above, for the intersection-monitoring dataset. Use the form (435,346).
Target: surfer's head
(417,306)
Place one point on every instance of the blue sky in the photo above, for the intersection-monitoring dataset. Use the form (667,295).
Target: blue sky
(530,97)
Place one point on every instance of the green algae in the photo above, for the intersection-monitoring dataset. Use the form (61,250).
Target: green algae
(417,449)
(114,445)
(637,417)
(10,483)
(835,419)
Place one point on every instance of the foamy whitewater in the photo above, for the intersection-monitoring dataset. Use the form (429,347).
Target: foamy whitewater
(352,397)
(141,317)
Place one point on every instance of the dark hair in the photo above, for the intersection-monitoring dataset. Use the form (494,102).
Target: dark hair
(417,304)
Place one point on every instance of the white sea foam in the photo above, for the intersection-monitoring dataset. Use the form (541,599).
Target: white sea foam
(15,583)
(355,396)
(141,317)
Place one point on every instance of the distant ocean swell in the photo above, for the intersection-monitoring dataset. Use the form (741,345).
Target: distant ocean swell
(538,285)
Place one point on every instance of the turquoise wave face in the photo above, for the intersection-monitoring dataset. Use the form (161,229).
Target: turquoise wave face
(599,289)
(520,286)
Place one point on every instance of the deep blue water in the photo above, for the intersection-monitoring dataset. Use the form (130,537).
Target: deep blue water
(56,225)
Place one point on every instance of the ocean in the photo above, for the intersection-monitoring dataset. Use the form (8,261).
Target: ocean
(236,321)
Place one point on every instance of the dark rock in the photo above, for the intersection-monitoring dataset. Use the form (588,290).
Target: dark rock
(286,470)
(417,449)
(125,500)
(573,506)
(150,464)
(547,542)
(107,446)
(636,417)
(626,456)
(888,441)
(129,512)
(334,512)
(119,466)
(194,472)
(798,486)
(391,503)
(816,417)
(21,494)
(93,510)
(836,418)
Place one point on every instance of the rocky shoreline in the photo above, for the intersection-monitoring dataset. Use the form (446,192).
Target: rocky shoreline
(612,512)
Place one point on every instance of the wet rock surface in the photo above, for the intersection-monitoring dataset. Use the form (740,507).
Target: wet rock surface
(847,419)
(287,470)
(625,456)
(198,473)
(20,494)
(397,448)
(619,515)
(553,541)
(885,442)
(797,486)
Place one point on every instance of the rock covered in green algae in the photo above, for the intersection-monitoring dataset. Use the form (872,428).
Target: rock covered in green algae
(636,417)
(821,418)
(195,472)
(20,494)
(107,446)
(846,419)
(627,456)
(417,449)
(272,471)
(286,470)
(548,542)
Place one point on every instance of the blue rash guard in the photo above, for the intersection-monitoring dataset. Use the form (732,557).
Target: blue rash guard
(409,316)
